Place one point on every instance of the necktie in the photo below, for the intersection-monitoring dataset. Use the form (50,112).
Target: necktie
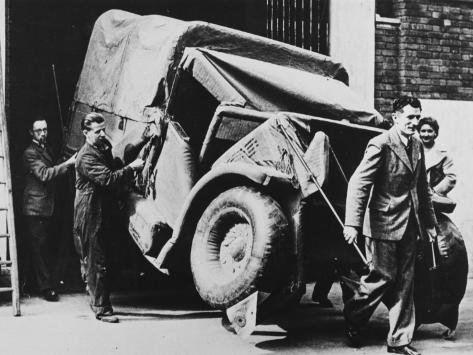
(409,149)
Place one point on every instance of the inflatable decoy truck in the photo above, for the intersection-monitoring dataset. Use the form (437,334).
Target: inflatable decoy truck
(247,143)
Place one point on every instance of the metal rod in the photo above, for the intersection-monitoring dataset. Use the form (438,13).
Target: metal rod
(434,259)
(325,197)
(58,101)
(338,164)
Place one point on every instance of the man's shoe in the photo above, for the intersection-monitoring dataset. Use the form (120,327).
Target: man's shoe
(323,302)
(107,318)
(50,295)
(353,335)
(405,349)
(449,334)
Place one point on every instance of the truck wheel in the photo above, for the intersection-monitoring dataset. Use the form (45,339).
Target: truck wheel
(238,247)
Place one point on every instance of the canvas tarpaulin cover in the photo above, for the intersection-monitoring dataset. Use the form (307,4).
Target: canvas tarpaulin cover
(278,143)
(131,60)
(266,86)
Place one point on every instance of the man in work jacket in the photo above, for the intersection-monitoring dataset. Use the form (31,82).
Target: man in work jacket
(95,210)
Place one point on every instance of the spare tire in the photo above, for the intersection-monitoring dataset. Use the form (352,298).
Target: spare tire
(238,247)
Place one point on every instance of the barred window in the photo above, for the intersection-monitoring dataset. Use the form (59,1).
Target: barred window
(303,23)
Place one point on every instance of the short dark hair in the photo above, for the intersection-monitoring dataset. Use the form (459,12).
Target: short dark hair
(405,100)
(432,122)
(36,119)
(90,118)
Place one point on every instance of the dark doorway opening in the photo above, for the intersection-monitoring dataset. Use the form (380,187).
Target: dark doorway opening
(43,33)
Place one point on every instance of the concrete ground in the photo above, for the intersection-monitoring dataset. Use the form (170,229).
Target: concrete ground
(177,322)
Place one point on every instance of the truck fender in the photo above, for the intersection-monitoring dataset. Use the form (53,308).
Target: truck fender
(217,180)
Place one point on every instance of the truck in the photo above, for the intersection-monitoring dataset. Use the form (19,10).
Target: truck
(247,144)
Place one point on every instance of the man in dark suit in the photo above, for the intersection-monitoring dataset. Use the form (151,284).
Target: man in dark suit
(38,203)
(391,181)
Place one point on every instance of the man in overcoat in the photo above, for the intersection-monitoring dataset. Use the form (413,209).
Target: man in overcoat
(95,210)
(38,203)
(388,199)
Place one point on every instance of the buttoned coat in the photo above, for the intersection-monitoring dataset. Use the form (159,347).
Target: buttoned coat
(95,204)
(386,186)
(39,192)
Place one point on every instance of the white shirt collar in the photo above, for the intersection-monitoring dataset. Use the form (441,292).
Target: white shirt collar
(404,139)
(38,143)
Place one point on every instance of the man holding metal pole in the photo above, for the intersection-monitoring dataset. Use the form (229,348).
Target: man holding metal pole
(391,180)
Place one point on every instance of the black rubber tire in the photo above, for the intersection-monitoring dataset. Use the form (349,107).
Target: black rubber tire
(238,247)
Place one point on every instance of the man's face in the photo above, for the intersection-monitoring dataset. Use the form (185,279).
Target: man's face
(407,120)
(427,135)
(39,131)
(96,135)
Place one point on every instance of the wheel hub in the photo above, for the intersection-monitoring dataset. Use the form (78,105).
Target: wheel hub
(236,247)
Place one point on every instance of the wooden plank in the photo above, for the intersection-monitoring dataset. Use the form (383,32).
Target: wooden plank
(269,18)
(287,29)
(274,29)
(3,235)
(292,22)
(324,27)
(280,10)
(315,26)
(3,194)
(298,41)
(3,223)
(306,30)
(12,249)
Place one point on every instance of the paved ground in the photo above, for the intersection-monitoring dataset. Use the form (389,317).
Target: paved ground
(168,322)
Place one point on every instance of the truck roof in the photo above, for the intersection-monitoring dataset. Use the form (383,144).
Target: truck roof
(131,62)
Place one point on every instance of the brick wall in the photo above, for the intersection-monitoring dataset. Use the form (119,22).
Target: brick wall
(429,53)
(387,81)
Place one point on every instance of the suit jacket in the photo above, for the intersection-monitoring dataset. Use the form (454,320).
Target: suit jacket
(38,195)
(391,186)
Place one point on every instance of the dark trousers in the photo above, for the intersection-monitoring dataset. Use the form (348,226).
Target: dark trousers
(40,250)
(95,270)
(323,285)
(390,280)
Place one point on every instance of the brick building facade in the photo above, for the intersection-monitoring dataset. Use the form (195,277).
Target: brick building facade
(424,48)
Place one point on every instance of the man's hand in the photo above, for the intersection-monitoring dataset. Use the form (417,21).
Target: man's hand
(137,164)
(432,233)
(350,233)
(444,249)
